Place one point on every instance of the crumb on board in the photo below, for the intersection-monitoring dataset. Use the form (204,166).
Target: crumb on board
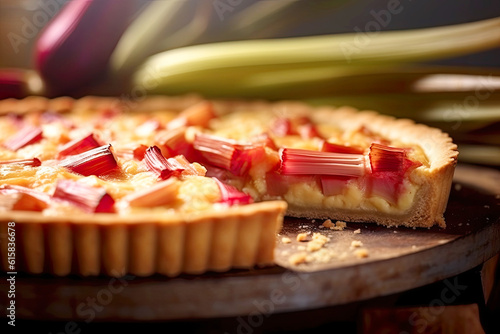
(298,258)
(286,240)
(302,236)
(356,243)
(318,241)
(358,231)
(338,226)
(322,256)
(458,187)
(361,253)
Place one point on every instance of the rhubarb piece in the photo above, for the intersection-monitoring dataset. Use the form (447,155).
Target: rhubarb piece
(301,126)
(21,198)
(228,154)
(78,146)
(133,151)
(173,142)
(155,162)
(264,139)
(308,131)
(33,162)
(162,193)
(98,161)
(336,148)
(89,199)
(26,136)
(232,196)
(389,165)
(333,185)
(197,115)
(390,159)
(189,168)
(299,161)
(282,127)
(277,184)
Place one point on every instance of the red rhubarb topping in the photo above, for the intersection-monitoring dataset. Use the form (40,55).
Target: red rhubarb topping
(25,199)
(389,166)
(25,136)
(34,162)
(89,199)
(232,196)
(336,148)
(78,146)
(197,115)
(155,162)
(228,154)
(308,162)
(97,161)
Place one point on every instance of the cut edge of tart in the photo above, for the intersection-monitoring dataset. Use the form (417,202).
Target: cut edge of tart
(241,236)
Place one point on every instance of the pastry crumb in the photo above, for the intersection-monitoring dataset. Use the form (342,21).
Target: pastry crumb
(286,240)
(338,226)
(302,236)
(301,248)
(486,206)
(323,255)
(458,187)
(361,253)
(298,258)
(356,243)
(328,223)
(358,231)
(314,246)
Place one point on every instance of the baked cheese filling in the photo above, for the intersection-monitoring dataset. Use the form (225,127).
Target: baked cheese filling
(111,161)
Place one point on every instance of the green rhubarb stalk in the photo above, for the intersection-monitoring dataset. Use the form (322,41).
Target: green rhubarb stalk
(236,63)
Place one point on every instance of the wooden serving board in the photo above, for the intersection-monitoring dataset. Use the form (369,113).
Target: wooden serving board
(398,259)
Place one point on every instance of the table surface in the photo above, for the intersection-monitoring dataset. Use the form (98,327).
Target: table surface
(398,259)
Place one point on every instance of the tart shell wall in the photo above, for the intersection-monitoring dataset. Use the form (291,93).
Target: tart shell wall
(239,237)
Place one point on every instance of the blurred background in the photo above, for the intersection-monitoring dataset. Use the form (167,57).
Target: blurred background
(464,102)
(307,18)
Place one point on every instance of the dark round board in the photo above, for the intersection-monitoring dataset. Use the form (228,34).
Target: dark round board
(397,259)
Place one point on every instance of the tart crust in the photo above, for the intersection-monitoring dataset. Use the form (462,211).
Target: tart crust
(239,237)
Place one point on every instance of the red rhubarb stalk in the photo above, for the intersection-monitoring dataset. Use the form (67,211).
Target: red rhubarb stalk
(22,198)
(33,162)
(155,162)
(336,148)
(197,115)
(78,146)
(98,161)
(19,83)
(89,199)
(232,196)
(308,162)
(228,154)
(73,50)
(25,136)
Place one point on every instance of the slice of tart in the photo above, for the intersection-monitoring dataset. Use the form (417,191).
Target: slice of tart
(182,185)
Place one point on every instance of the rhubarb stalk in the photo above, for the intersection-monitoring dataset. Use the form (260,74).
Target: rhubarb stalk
(26,136)
(164,168)
(89,199)
(98,161)
(232,196)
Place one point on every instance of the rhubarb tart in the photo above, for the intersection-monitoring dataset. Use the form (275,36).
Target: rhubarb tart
(174,185)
